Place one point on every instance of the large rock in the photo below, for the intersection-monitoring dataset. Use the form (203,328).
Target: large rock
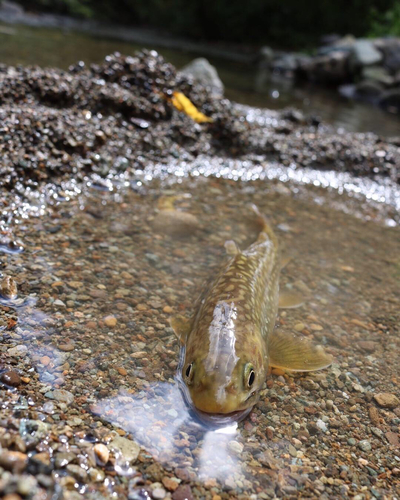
(364,53)
(332,68)
(205,74)
(377,74)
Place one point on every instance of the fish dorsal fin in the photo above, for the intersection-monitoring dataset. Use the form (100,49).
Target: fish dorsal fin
(288,299)
(231,247)
(292,352)
(181,327)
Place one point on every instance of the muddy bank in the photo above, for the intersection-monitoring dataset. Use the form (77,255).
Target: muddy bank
(104,121)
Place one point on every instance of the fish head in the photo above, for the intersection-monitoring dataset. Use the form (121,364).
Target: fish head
(227,373)
(217,392)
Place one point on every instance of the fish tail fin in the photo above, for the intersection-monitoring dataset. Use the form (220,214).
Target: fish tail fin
(266,229)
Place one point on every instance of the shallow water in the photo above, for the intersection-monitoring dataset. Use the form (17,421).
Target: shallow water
(102,283)
(244,84)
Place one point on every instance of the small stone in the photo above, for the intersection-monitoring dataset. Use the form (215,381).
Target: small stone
(171,483)
(393,438)
(64,458)
(374,415)
(122,371)
(129,449)
(110,321)
(235,447)
(168,310)
(77,471)
(26,484)
(299,327)
(158,493)
(19,350)
(45,360)
(322,425)
(66,347)
(14,461)
(365,445)
(351,442)
(63,396)
(59,303)
(387,400)
(315,327)
(184,492)
(10,377)
(102,453)
(96,475)
(8,288)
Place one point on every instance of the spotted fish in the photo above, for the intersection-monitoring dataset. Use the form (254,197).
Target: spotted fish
(231,340)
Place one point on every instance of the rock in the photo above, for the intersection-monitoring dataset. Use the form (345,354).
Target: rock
(393,438)
(8,288)
(387,400)
(171,483)
(110,321)
(368,90)
(332,68)
(205,74)
(77,471)
(10,377)
(102,453)
(63,458)
(14,461)
(265,57)
(184,492)
(390,100)
(158,493)
(176,223)
(63,396)
(235,447)
(128,449)
(59,303)
(377,74)
(365,445)
(364,53)
(285,63)
(19,350)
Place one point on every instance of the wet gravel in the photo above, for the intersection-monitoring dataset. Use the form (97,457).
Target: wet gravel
(93,123)
(89,406)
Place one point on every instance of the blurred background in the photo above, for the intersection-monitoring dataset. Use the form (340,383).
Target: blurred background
(338,60)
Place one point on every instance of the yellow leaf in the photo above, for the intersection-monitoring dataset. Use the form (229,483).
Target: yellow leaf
(182,103)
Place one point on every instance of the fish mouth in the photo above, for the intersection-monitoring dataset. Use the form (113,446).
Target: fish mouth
(219,420)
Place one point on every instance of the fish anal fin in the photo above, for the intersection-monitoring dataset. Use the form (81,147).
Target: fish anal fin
(289,351)
(181,327)
(289,299)
(231,247)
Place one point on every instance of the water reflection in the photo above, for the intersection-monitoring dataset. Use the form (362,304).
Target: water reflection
(161,421)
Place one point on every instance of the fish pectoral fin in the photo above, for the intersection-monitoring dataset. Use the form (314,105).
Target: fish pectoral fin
(231,248)
(292,352)
(285,259)
(181,327)
(288,299)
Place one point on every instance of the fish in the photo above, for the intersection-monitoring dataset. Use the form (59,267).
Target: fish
(231,340)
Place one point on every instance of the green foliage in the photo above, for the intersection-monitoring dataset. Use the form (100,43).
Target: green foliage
(287,23)
(386,23)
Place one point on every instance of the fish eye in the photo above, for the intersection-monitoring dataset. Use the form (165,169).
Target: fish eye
(189,372)
(249,375)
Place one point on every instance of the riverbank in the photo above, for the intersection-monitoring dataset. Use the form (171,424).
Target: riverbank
(105,122)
